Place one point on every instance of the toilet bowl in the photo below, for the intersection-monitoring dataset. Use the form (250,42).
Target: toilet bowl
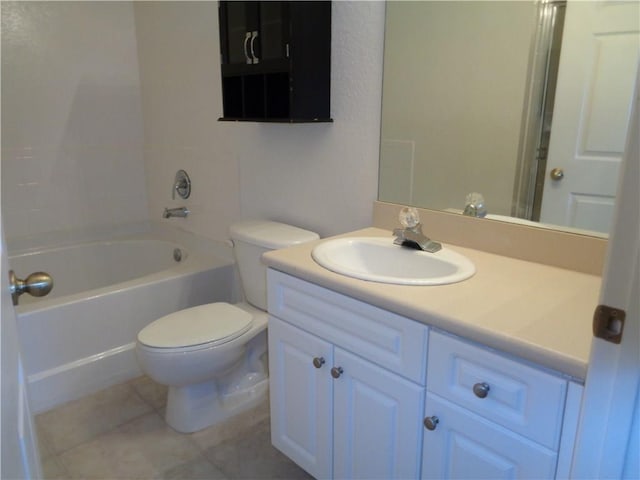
(213,371)
(213,357)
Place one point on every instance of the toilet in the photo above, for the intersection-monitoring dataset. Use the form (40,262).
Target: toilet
(213,357)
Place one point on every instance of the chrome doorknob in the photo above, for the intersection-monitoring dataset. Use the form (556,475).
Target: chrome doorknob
(318,362)
(37,284)
(336,372)
(557,174)
(431,423)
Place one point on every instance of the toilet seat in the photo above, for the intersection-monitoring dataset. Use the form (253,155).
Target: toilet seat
(198,327)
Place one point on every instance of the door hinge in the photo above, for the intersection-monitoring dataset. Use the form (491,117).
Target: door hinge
(608,323)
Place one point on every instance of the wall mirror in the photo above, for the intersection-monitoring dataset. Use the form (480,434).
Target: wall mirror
(527,103)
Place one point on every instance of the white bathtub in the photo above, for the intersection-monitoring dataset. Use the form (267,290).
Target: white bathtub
(81,337)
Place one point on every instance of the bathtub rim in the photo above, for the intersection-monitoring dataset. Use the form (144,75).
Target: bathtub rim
(202,254)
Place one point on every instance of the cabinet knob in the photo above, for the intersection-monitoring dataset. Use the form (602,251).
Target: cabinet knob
(481,389)
(318,362)
(431,423)
(336,372)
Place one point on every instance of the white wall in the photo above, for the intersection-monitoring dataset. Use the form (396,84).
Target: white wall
(319,176)
(71,117)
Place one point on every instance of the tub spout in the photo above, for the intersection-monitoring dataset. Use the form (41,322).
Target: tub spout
(175,212)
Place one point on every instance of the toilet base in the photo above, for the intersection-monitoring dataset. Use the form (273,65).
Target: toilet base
(195,407)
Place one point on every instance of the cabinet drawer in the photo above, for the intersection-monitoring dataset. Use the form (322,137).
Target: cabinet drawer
(389,340)
(519,397)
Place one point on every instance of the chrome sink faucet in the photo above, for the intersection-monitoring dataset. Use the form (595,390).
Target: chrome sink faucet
(411,235)
(175,212)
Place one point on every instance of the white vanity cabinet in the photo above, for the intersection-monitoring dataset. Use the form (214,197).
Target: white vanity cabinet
(335,409)
(360,392)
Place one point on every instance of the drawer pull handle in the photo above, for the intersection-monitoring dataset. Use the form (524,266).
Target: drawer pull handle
(431,423)
(481,389)
(336,372)
(318,362)
(247,37)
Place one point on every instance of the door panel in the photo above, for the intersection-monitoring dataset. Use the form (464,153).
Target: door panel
(19,451)
(301,397)
(234,26)
(377,425)
(273,21)
(608,434)
(467,446)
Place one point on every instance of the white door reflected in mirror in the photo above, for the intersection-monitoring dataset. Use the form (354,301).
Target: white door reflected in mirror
(598,64)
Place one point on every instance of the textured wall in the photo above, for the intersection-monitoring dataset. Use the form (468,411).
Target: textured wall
(321,176)
(71,117)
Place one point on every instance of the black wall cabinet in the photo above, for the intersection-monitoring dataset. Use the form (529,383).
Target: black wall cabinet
(276,61)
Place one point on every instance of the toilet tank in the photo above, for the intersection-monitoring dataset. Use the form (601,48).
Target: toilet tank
(250,240)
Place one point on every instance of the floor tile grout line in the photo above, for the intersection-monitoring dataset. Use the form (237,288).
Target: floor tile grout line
(148,396)
(103,433)
(50,444)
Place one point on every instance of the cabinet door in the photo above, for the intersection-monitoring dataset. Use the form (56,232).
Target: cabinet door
(467,446)
(237,21)
(253,32)
(301,397)
(377,421)
(272,31)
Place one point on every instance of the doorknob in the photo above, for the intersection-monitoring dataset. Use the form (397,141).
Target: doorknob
(557,174)
(37,284)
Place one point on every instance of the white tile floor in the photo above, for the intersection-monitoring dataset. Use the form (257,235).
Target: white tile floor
(120,433)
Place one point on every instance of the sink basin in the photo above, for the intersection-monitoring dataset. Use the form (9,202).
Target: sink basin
(377,259)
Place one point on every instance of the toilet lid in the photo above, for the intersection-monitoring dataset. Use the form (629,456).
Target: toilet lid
(213,323)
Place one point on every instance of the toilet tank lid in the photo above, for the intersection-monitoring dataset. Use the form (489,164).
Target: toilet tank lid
(268,234)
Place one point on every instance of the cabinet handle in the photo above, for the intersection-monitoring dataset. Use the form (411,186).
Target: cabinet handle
(318,362)
(336,372)
(431,423)
(253,53)
(481,389)
(247,36)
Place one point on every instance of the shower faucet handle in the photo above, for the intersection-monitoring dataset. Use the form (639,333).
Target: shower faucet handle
(181,185)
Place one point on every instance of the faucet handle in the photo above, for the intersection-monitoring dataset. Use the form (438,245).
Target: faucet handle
(181,185)
(474,205)
(409,217)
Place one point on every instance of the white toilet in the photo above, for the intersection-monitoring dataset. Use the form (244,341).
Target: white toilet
(212,356)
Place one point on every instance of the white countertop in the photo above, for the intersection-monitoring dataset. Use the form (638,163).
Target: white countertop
(536,312)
